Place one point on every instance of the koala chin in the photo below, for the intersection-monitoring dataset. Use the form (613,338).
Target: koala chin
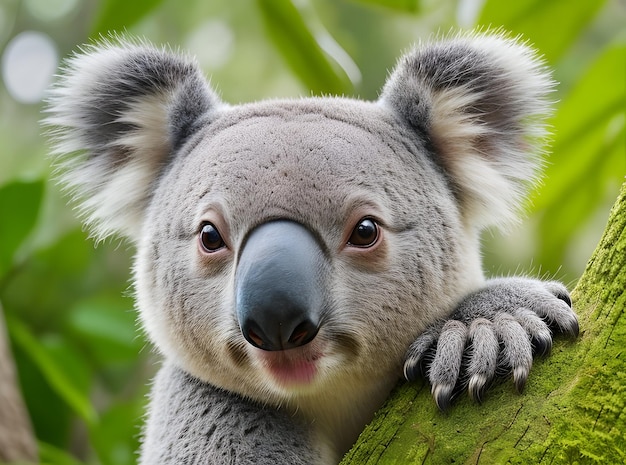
(295,257)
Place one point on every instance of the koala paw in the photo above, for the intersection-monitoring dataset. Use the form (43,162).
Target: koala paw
(493,332)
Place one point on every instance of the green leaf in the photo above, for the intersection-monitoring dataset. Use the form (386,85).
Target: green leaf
(119,15)
(552,26)
(115,439)
(409,6)
(48,454)
(107,326)
(597,97)
(54,371)
(287,29)
(588,151)
(19,209)
(584,120)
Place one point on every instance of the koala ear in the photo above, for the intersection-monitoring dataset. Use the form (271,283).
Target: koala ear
(479,102)
(128,107)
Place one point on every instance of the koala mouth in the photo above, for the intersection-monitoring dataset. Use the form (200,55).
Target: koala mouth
(292,367)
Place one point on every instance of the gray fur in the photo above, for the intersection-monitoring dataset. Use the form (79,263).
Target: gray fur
(446,151)
(198,423)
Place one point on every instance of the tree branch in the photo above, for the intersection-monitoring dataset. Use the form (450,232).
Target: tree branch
(17,441)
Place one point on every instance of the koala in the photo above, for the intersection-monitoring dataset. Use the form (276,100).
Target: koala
(295,258)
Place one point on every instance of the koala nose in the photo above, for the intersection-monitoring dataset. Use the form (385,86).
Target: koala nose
(279,286)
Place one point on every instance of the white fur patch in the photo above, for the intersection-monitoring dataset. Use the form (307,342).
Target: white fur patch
(112,180)
(494,183)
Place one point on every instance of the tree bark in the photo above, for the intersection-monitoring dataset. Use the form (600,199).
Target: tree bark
(573,408)
(17,441)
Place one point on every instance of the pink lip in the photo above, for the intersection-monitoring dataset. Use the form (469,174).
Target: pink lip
(290,367)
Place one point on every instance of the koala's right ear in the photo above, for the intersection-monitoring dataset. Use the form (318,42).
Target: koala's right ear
(128,107)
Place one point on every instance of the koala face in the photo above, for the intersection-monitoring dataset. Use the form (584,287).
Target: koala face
(290,251)
(350,231)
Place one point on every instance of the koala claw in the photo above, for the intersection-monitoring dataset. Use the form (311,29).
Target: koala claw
(484,360)
(559,312)
(494,332)
(517,349)
(446,366)
(420,350)
(537,329)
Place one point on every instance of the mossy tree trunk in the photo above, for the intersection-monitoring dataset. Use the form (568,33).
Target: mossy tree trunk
(573,407)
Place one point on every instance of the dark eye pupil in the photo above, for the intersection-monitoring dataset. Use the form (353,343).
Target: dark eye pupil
(210,238)
(364,234)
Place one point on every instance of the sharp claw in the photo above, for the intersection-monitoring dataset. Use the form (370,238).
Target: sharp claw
(559,291)
(476,387)
(542,346)
(443,395)
(570,326)
(520,375)
(418,354)
(574,328)
(409,371)
(565,298)
(412,370)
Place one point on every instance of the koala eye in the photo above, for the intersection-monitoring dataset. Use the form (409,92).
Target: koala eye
(365,233)
(210,238)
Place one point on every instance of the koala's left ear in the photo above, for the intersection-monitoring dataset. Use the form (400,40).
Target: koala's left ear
(479,102)
(127,107)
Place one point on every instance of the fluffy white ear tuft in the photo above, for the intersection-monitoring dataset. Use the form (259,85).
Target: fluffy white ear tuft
(479,102)
(127,108)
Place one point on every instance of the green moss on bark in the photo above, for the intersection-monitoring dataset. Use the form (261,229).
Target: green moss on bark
(573,408)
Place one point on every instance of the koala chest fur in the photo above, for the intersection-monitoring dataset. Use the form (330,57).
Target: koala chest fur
(295,257)
(290,246)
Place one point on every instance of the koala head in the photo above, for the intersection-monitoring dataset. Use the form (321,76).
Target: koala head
(291,250)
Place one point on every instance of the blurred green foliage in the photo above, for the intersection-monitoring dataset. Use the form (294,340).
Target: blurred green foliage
(83,364)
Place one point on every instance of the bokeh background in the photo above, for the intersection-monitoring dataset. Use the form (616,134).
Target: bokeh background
(82,363)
